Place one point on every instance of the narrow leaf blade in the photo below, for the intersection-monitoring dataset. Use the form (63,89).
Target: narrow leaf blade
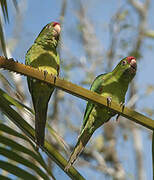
(16,170)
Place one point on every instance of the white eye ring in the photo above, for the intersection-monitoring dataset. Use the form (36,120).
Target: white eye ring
(123,63)
(48,26)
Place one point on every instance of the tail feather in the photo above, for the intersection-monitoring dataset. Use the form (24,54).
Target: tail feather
(40,121)
(41,93)
(82,141)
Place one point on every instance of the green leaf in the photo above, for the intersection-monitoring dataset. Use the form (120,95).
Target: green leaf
(59,139)
(9,86)
(19,159)
(29,131)
(2,39)
(14,102)
(15,146)
(16,170)
(5,81)
(18,147)
(4,178)
(4,9)
(11,131)
(37,157)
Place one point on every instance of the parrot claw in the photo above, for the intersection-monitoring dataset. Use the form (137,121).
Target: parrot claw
(54,78)
(45,74)
(117,118)
(123,106)
(109,100)
(66,168)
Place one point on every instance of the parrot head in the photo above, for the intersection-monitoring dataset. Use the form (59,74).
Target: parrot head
(50,34)
(126,68)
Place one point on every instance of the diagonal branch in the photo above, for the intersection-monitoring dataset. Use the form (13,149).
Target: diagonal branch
(75,90)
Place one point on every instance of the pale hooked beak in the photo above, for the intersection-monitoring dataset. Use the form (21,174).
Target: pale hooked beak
(133,64)
(57,29)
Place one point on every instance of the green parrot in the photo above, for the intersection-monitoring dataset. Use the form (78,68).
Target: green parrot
(43,56)
(112,85)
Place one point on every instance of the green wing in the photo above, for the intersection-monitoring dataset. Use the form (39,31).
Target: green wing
(95,87)
(27,62)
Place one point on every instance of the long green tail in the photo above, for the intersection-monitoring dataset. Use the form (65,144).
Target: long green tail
(40,120)
(82,141)
(41,94)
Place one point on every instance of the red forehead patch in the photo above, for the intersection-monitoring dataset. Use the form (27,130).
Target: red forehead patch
(55,23)
(129,58)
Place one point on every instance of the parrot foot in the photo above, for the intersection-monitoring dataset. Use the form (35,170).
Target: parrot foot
(117,118)
(45,74)
(54,76)
(109,100)
(123,106)
(67,168)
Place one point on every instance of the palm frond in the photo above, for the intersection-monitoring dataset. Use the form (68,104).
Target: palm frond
(4,10)
(29,131)
(2,39)
(4,7)
(15,102)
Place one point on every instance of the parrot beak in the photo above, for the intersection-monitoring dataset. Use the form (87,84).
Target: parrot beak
(57,30)
(133,65)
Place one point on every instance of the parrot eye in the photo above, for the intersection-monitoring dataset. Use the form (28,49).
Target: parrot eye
(123,63)
(48,26)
